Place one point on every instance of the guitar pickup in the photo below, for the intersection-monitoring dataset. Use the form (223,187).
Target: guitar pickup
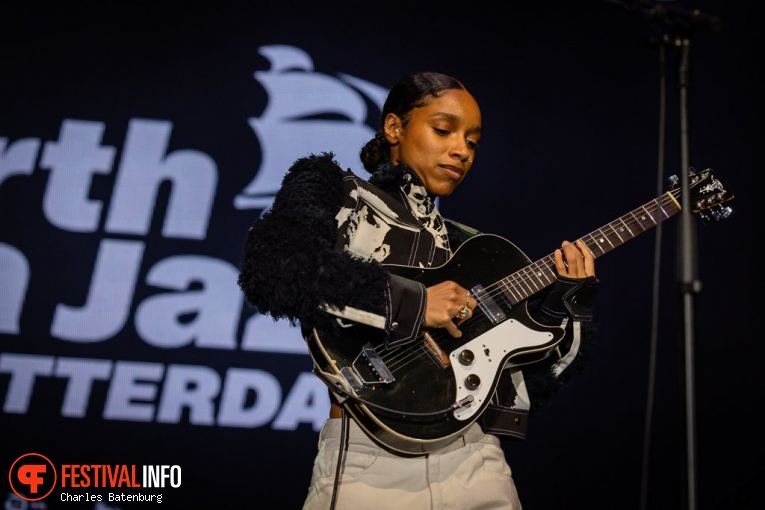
(488,304)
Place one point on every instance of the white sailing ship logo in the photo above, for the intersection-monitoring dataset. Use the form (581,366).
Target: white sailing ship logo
(307,112)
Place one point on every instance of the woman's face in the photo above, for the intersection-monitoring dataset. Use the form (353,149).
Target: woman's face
(439,141)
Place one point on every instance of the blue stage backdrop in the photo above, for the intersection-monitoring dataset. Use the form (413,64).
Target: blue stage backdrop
(139,142)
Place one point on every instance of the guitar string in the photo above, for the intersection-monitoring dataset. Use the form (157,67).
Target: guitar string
(666,205)
(513,284)
(400,357)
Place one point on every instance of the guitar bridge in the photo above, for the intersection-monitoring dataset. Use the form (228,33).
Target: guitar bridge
(435,351)
(376,366)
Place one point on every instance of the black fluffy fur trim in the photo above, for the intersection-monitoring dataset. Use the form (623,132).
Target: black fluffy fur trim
(290,265)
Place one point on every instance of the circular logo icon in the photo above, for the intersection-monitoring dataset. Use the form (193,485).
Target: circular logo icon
(32,476)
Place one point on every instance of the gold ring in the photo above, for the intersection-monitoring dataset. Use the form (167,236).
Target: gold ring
(463,312)
(467,299)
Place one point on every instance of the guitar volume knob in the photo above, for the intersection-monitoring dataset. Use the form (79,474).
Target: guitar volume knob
(466,357)
(472,381)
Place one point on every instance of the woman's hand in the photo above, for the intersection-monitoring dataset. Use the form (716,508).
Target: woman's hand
(574,260)
(445,305)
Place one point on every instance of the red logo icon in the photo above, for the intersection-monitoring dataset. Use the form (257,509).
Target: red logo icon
(32,477)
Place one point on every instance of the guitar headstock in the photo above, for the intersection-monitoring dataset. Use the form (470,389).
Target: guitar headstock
(708,193)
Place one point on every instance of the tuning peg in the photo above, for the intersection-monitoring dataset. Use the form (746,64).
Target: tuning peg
(723,212)
(715,213)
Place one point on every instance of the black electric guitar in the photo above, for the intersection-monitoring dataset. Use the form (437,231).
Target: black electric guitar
(418,398)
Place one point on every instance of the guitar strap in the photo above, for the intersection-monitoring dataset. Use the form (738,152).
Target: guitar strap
(463,229)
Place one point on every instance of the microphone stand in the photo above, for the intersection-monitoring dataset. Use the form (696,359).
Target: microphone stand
(689,283)
(684,23)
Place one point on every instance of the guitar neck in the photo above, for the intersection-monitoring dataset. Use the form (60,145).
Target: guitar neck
(540,274)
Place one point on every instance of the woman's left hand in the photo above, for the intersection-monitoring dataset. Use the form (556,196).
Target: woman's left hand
(574,260)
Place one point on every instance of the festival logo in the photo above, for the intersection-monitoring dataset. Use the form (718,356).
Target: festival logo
(33,477)
(307,112)
(150,290)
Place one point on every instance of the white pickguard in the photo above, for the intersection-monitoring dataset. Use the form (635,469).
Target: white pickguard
(490,351)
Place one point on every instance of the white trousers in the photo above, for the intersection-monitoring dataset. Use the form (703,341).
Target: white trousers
(469,474)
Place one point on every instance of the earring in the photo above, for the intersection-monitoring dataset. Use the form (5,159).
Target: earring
(470,159)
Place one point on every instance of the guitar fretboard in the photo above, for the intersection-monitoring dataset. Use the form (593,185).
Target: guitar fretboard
(540,274)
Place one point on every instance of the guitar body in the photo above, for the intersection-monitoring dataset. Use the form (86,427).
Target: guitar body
(420,397)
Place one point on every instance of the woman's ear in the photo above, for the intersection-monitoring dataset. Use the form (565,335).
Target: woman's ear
(393,128)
